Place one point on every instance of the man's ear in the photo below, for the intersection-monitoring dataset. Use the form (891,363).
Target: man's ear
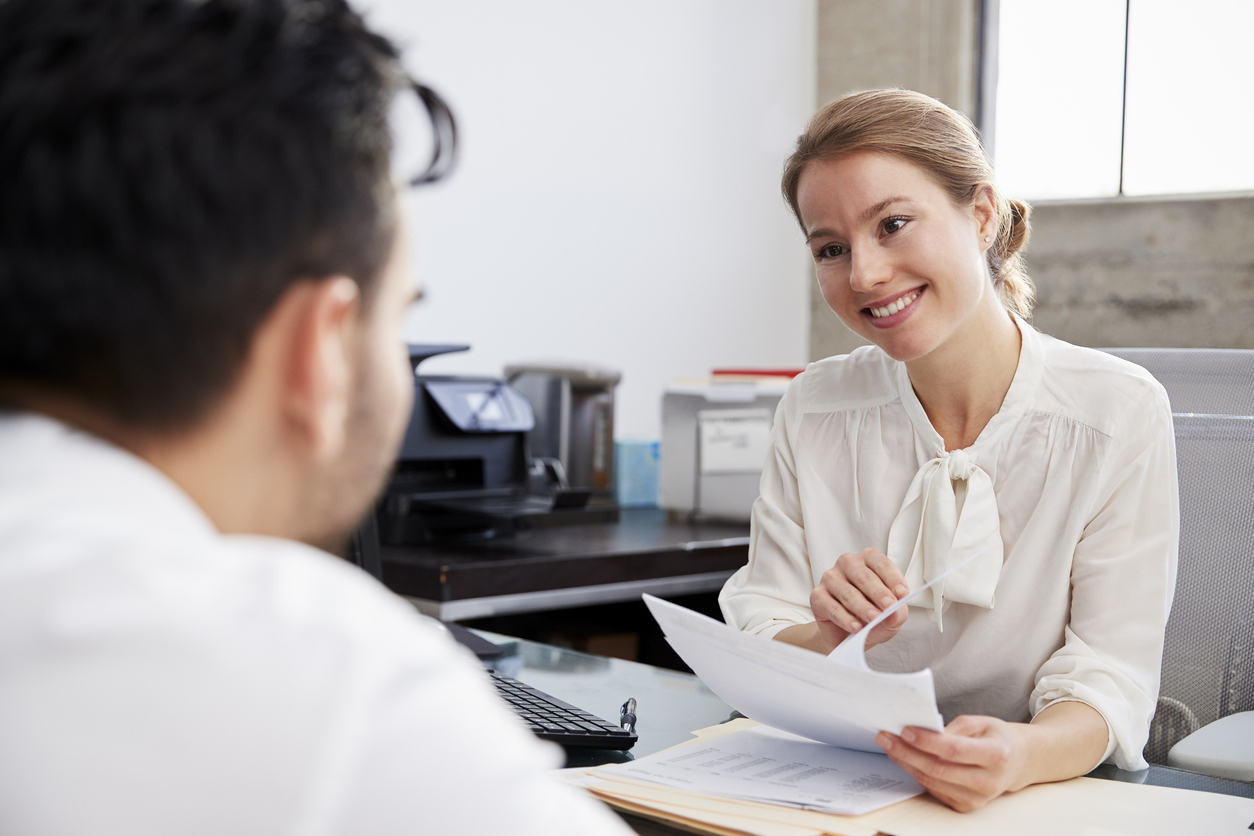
(318,380)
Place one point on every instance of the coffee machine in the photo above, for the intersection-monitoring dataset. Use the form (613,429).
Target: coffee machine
(574,421)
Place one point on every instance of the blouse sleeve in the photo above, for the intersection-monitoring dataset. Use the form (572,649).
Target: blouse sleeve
(772,591)
(1122,581)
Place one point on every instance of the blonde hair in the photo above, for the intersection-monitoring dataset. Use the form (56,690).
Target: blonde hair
(939,140)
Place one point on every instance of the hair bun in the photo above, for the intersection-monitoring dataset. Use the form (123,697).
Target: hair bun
(1017,235)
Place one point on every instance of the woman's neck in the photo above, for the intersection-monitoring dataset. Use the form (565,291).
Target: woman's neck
(962,383)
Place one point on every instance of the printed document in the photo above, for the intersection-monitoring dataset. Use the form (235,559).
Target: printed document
(836,700)
(762,764)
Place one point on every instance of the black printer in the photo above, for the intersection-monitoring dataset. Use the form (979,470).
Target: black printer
(464,469)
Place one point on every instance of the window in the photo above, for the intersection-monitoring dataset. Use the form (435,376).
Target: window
(1097,98)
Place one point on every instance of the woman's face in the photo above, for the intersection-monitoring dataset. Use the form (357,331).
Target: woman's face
(896,260)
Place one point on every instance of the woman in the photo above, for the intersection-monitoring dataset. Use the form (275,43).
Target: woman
(961,434)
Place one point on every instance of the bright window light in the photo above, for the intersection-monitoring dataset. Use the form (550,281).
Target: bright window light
(1190,93)
(1059,98)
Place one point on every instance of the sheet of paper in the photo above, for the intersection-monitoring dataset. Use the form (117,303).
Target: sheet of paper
(837,700)
(759,765)
(796,690)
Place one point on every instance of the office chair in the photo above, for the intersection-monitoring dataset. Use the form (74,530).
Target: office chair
(1205,716)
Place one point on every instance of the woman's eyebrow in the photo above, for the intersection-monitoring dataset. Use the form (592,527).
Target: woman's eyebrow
(882,205)
(868,215)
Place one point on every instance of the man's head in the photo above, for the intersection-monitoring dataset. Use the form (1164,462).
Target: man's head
(191,188)
(168,169)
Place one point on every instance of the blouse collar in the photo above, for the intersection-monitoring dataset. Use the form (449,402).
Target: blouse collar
(1022,388)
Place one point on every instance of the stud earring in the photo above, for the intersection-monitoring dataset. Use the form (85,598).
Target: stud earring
(987,238)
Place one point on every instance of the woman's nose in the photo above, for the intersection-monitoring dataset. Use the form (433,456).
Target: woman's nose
(870,266)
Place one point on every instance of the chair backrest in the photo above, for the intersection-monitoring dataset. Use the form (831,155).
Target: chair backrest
(1208,656)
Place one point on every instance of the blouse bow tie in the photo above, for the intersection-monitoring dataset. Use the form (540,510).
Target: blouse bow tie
(949,513)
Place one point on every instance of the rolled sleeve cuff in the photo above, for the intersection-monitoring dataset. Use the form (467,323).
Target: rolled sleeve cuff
(1111,742)
(1123,744)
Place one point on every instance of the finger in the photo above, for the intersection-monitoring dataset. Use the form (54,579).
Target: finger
(827,608)
(969,725)
(958,796)
(904,752)
(961,743)
(869,583)
(850,597)
(955,747)
(889,573)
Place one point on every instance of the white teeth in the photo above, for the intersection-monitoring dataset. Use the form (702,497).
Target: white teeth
(892,307)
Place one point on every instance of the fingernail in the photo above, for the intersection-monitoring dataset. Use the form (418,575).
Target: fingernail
(907,735)
(883,741)
(886,602)
(856,626)
(901,591)
(870,615)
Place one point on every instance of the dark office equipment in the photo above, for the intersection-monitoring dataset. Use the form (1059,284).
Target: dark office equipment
(464,469)
(363,549)
(551,719)
(574,421)
(555,568)
(481,647)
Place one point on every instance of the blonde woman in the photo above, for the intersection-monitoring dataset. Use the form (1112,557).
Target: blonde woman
(962,431)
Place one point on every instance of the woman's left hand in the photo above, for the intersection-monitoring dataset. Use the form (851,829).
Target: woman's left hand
(972,762)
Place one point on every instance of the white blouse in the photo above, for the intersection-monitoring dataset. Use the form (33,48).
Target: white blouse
(1068,497)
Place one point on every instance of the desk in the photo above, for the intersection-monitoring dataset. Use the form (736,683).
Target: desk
(566,566)
(671,705)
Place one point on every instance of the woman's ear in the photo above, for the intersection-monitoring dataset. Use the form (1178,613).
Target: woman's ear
(984,209)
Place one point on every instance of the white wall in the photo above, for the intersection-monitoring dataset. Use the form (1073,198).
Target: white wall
(617,195)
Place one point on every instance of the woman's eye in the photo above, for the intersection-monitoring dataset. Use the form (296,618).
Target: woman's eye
(831,251)
(894,225)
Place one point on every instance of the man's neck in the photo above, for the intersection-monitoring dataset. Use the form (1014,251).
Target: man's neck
(226,472)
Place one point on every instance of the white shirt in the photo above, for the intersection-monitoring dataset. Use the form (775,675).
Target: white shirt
(1081,460)
(157,677)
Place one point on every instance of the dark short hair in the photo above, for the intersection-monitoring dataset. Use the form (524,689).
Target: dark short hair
(168,169)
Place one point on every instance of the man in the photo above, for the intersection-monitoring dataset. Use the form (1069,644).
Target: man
(202,282)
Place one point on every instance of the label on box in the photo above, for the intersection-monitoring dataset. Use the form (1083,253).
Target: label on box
(734,440)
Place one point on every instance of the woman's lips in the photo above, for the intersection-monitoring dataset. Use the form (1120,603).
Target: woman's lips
(896,311)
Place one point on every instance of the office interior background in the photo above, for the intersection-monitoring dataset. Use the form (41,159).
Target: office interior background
(616,200)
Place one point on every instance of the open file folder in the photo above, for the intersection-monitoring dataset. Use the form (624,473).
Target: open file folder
(739,661)
(816,749)
(1079,806)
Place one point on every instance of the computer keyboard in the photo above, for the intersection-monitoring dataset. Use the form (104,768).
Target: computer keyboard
(551,719)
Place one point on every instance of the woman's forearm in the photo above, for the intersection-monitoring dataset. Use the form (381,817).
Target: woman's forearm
(808,636)
(1063,741)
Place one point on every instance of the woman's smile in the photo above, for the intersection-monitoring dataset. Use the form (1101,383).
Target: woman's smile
(894,310)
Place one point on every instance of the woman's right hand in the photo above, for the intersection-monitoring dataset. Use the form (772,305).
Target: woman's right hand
(854,592)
